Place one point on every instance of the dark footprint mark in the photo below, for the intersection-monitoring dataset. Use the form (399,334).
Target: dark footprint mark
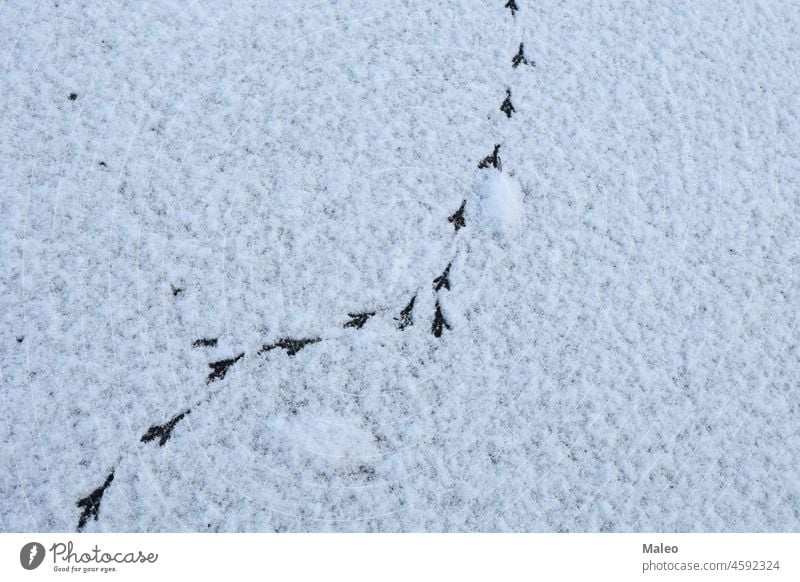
(512,5)
(507,107)
(292,346)
(358,319)
(439,322)
(519,58)
(443,280)
(220,368)
(204,343)
(491,160)
(91,503)
(457,218)
(406,317)
(163,432)
(176,290)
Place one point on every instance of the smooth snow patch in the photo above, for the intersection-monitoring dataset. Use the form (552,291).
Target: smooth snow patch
(501,203)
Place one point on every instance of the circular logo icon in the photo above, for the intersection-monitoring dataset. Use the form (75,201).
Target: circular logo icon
(31,555)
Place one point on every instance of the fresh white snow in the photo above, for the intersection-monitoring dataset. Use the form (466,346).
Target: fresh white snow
(501,203)
(621,355)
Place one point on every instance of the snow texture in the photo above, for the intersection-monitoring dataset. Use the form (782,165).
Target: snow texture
(501,203)
(289,179)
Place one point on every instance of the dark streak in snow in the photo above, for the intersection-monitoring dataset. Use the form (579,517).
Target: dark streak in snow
(406,317)
(507,107)
(292,346)
(439,322)
(220,368)
(358,319)
(512,5)
(204,343)
(163,432)
(457,218)
(443,280)
(91,503)
(519,58)
(491,160)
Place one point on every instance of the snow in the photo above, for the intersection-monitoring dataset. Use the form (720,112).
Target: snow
(620,350)
(501,203)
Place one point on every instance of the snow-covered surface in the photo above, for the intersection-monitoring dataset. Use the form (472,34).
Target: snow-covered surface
(256,171)
(501,202)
